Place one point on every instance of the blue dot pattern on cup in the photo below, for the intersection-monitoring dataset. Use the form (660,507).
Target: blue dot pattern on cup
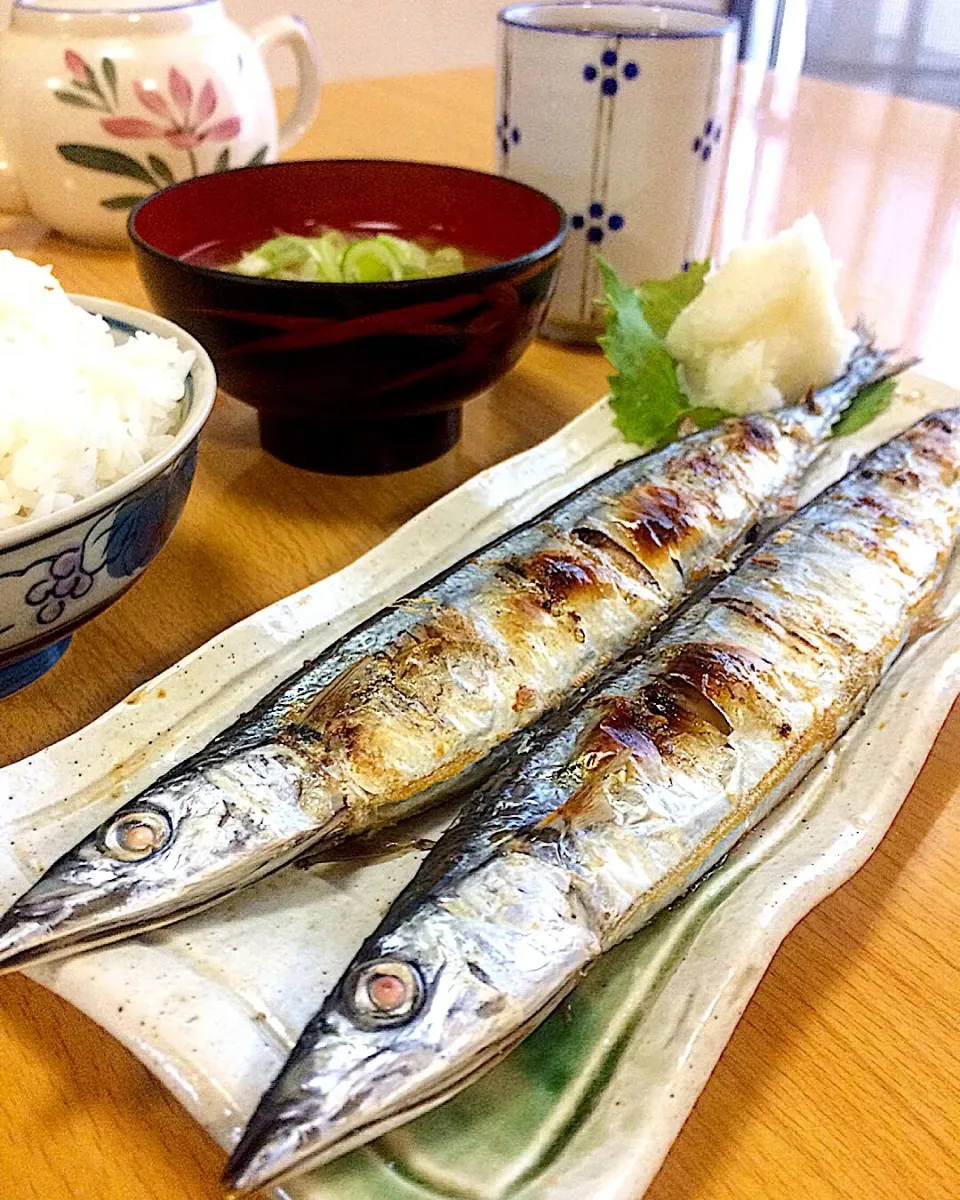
(597,228)
(508,135)
(610,67)
(704,143)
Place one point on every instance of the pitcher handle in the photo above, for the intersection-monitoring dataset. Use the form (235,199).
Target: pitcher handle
(293,33)
(12,199)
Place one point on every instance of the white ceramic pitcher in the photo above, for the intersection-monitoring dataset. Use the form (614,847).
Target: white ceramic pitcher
(104,101)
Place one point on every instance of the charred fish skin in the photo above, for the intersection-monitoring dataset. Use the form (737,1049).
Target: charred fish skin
(621,808)
(404,708)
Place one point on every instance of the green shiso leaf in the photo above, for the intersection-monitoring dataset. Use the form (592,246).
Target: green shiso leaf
(662,299)
(645,395)
(870,403)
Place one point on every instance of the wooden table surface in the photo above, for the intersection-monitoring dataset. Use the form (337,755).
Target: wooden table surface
(842,1078)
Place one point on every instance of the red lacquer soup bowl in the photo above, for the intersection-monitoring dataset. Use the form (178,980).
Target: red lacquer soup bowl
(353,378)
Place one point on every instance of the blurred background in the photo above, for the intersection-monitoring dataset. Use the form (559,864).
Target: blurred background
(909,47)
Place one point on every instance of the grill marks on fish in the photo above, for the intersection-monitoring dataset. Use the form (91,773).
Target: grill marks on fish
(753,612)
(691,707)
(620,805)
(719,671)
(354,736)
(525,697)
(822,668)
(931,441)
(623,561)
(559,575)
(756,432)
(657,521)
(415,714)
(788,683)
(413,703)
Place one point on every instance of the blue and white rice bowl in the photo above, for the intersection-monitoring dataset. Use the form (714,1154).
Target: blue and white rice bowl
(60,570)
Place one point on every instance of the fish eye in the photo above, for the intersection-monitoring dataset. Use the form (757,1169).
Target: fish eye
(383,993)
(135,834)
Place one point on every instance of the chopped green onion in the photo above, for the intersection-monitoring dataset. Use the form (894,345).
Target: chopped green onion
(329,248)
(253,264)
(332,257)
(446,261)
(370,261)
(413,259)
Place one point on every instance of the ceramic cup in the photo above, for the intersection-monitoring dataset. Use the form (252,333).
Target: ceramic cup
(618,111)
(104,101)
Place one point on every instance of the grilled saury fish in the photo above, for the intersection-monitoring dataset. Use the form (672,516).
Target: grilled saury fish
(617,807)
(388,719)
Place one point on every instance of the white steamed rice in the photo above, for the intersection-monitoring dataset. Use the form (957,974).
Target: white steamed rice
(77,411)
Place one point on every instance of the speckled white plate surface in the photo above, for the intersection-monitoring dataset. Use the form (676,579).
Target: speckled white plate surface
(591,1102)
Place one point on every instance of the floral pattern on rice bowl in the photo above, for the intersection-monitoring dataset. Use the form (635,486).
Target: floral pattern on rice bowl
(81,520)
(76,569)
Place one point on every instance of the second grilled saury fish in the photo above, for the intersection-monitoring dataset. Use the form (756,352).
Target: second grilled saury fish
(386,719)
(620,807)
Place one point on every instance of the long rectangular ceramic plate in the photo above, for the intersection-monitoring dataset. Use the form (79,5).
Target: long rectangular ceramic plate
(590,1103)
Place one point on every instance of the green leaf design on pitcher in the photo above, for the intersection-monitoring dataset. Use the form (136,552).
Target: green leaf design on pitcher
(75,99)
(109,68)
(121,202)
(161,169)
(86,90)
(99,158)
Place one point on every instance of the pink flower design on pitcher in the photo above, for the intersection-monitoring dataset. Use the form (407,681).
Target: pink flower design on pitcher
(76,65)
(186,123)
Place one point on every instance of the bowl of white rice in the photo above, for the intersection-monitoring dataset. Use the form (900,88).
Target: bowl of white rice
(101,407)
